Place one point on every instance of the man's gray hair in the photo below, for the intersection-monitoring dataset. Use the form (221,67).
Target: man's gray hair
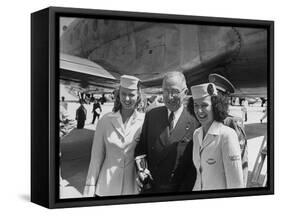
(176,74)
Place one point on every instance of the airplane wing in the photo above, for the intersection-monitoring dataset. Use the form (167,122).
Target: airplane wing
(84,73)
(257,92)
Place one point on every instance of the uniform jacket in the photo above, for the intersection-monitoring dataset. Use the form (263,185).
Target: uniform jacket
(164,152)
(112,167)
(236,123)
(217,158)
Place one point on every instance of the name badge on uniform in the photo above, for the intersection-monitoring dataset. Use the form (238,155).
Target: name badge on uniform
(211,161)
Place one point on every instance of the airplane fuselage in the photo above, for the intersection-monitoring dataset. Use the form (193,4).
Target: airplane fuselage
(148,50)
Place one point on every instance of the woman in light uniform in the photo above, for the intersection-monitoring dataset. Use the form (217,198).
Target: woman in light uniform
(112,168)
(216,150)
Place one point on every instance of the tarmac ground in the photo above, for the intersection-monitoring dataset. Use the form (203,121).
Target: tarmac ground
(76,147)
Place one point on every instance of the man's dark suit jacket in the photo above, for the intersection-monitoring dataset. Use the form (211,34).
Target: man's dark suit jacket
(96,106)
(81,114)
(164,153)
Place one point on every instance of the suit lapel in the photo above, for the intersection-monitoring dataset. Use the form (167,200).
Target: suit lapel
(209,138)
(164,136)
(134,118)
(181,127)
(117,124)
(211,135)
(178,134)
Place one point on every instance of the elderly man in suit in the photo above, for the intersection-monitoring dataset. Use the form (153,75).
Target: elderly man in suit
(166,134)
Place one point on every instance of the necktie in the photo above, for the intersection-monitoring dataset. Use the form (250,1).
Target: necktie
(171,122)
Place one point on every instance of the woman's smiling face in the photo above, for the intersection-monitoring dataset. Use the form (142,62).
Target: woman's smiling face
(204,111)
(128,98)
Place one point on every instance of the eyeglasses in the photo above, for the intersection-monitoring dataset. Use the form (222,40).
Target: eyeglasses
(172,92)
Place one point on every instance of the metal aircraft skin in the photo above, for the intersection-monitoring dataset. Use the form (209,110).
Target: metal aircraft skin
(96,52)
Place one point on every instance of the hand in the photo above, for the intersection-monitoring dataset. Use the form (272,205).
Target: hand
(89,191)
(139,184)
(143,179)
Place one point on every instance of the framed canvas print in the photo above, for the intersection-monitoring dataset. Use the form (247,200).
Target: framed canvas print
(139,107)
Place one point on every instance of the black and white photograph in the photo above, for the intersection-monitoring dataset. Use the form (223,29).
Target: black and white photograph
(140,108)
(156,108)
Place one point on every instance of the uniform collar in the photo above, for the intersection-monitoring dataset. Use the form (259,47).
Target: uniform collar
(213,131)
(117,122)
(214,128)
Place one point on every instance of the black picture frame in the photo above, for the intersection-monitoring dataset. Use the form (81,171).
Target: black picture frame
(45,106)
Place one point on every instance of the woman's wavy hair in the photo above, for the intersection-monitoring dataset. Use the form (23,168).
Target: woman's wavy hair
(220,105)
(117,103)
(190,106)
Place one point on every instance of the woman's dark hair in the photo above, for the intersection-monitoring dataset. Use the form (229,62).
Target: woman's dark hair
(220,105)
(117,103)
(190,106)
